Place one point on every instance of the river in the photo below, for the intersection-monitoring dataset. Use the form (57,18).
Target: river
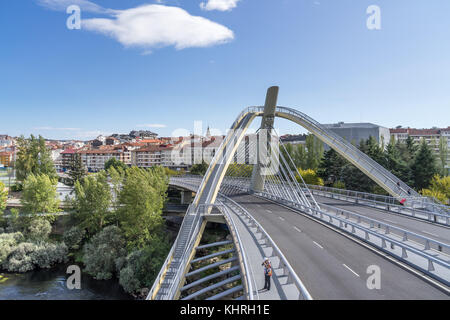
(50,284)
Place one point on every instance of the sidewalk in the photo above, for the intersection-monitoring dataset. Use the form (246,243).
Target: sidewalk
(256,250)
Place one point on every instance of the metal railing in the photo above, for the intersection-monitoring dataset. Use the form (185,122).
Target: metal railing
(369,200)
(344,223)
(284,264)
(229,204)
(242,254)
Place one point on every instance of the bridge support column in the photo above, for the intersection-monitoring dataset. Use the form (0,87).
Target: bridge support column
(186,197)
(258,178)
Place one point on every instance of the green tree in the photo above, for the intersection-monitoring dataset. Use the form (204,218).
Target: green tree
(199,169)
(117,176)
(33,157)
(101,254)
(93,202)
(39,194)
(142,266)
(373,150)
(73,237)
(77,170)
(3,197)
(423,167)
(141,201)
(439,189)
(355,179)
(314,152)
(331,166)
(39,230)
(113,162)
(395,163)
(443,156)
(310,177)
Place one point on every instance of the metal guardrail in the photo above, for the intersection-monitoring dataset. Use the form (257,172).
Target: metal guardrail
(201,210)
(388,228)
(192,181)
(427,243)
(285,265)
(243,259)
(367,231)
(348,196)
(424,201)
(186,232)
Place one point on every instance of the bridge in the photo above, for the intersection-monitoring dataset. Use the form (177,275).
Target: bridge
(323,243)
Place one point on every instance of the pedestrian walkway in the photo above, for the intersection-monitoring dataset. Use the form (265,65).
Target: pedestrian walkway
(256,250)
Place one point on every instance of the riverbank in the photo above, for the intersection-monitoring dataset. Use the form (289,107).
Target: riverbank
(50,284)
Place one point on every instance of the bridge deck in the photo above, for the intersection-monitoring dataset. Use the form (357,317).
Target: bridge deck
(331,265)
(256,250)
(434,231)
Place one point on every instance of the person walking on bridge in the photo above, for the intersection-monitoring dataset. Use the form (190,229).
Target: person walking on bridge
(267,273)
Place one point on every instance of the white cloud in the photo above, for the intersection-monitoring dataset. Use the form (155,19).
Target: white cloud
(221,5)
(153,125)
(155,26)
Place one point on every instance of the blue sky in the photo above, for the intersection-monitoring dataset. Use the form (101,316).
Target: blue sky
(65,83)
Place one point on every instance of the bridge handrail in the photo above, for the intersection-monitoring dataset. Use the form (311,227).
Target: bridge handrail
(166,264)
(195,225)
(250,288)
(404,246)
(350,149)
(298,283)
(391,227)
(371,221)
(378,222)
(368,196)
(389,206)
(375,221)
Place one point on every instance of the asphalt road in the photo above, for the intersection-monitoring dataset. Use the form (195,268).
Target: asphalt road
(433,231)
(331,265)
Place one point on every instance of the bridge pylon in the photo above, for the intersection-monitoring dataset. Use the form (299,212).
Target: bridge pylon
(258,177)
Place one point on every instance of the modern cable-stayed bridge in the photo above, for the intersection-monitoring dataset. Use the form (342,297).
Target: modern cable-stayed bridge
(321,243)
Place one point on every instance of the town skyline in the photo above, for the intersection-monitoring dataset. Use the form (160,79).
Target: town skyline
(81,83)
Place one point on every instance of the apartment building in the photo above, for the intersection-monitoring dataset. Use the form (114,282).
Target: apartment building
(6,158)
(67,157)
(147,157)
(94,160)
(433,137)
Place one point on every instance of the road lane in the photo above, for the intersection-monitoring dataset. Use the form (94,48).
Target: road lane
(433,231)
(322,269)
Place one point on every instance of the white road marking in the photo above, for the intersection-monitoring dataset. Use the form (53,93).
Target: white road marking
(432,234)
(268,211)
(297,229)
(281,218)
(350,269)
(318,245)
(389,221)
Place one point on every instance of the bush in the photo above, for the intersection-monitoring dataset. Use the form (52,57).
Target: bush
(8,242)
(128,280)
(20,259)
(101,253)
(73,237)
(310,177)
(339,185)
(46,255)
(142,266)
(39,230)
